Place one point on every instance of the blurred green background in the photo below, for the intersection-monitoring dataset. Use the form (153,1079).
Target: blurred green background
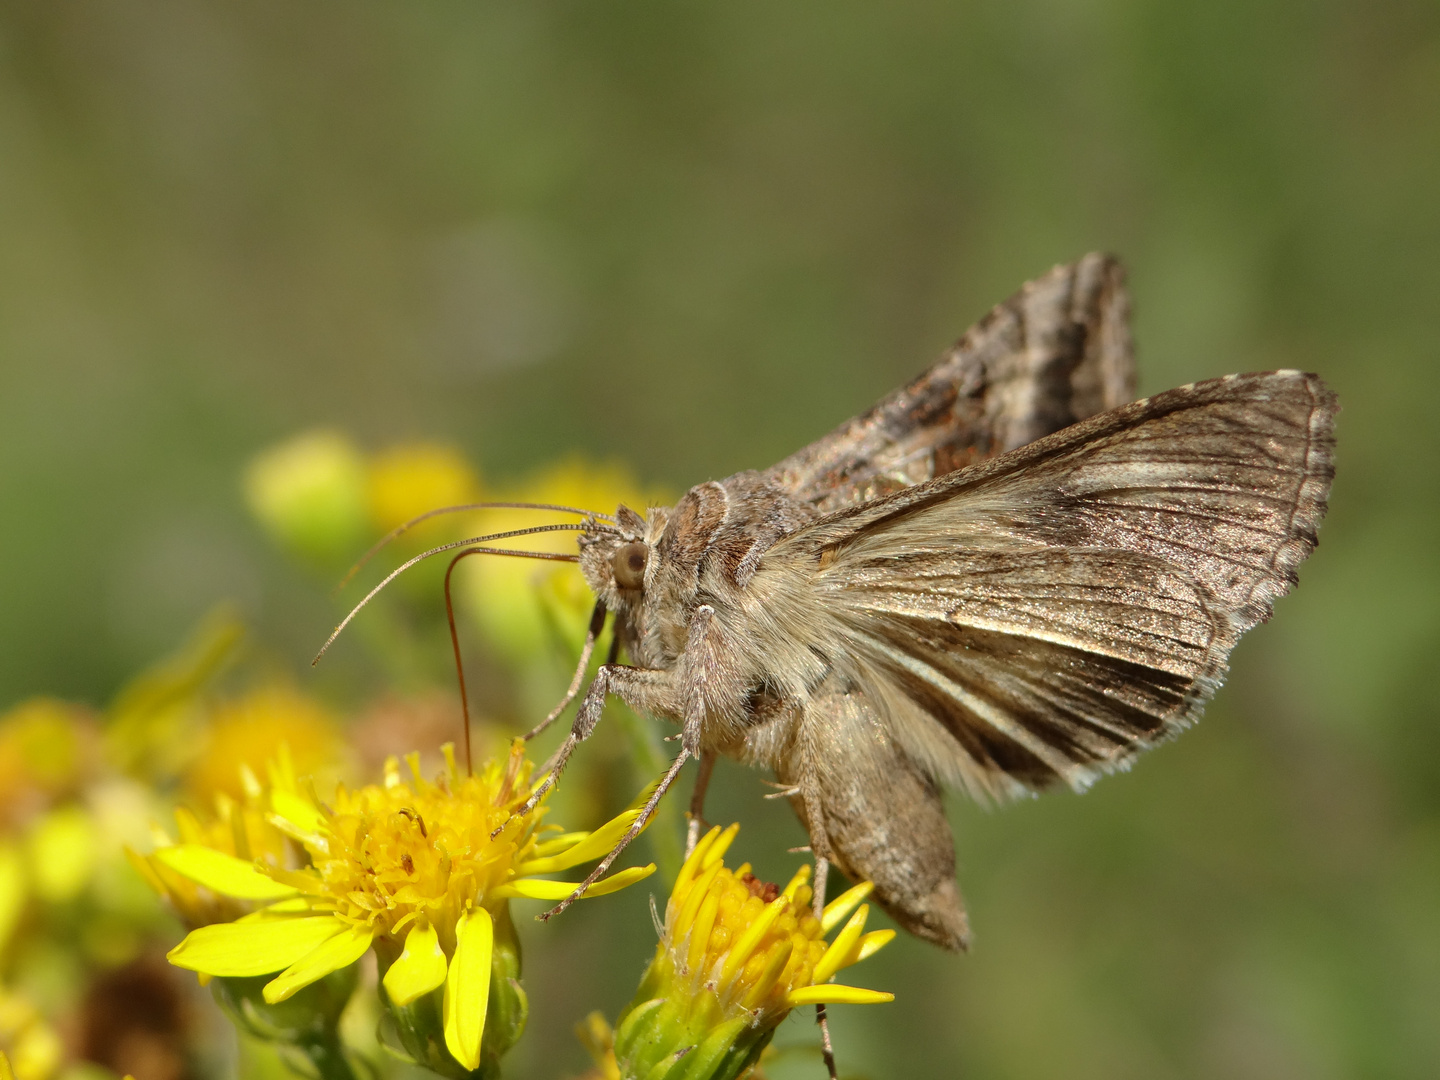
(691,237)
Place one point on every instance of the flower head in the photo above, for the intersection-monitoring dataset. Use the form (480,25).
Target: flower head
(411,479)
(423,872)
(523,607)
(248,731)
(735,956)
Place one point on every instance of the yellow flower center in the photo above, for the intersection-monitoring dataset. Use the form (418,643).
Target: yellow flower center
(389,855)
(753,941)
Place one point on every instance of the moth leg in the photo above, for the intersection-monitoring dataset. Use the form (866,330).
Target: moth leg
(806,788)
(827,1050)
(646,691)
(697,803)
(820,848)
(597,623)
(639,823)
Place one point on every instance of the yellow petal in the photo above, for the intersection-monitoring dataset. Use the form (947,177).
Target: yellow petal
(223,873)
(557,844)
(334,953)
(769,975)
(537,889)
(742,949)
(831,994)
(467,987)
(868,945)
(692,864)
(140,863)
(685,916)
(295,905)
(836,910)
(801,877)
(188,826)
(700,929)
(721,845)
(842,945)
(298,811)
(623,880)
(420,969)
(699,869)
(253,948)
(599,843)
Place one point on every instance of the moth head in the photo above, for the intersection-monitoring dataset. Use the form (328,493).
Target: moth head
(614,560)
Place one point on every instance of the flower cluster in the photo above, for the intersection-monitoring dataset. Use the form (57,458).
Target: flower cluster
(735,956)
(422,872)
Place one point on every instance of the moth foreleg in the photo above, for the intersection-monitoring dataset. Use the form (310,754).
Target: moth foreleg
(645,690)
(597,623)
(630,834)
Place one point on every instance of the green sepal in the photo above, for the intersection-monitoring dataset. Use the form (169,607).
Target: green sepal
(305,1025)
(684,1038)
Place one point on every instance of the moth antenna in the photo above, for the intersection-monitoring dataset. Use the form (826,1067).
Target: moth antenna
(552,556)
(400,530)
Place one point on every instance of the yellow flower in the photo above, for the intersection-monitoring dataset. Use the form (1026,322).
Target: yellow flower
(409,480)
(521,605)
(29,1047)
(410,869)
(241,830)
(735,957)
(249,730)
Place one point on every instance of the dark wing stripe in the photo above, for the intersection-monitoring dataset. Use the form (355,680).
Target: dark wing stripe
(1070,714)
(962,709)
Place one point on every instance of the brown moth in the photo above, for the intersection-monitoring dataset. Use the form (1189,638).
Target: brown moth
(1002,578)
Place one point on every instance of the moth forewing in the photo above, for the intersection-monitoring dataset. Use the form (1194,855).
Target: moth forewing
(1056,352)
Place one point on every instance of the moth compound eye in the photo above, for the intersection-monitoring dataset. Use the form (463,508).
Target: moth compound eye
(629,565)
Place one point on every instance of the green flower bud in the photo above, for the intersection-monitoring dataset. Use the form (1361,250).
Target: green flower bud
(305,1026)
(311,495)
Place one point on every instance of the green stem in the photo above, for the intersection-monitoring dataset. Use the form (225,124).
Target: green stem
(328,1057)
